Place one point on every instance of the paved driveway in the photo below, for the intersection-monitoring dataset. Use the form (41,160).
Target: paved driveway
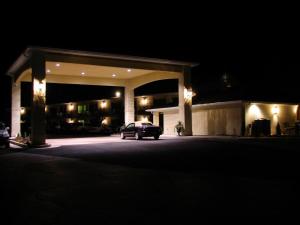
(56,142)
(172,180)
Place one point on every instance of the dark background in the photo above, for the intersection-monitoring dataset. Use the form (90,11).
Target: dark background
(256,47)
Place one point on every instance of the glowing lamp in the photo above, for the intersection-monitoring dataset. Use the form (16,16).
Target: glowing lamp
(118,94)
(70,120)
(145,119)
(144,101)
(103,104)
(39,87)
(104,122)
(275,110)
(255,111)
(23,111)
(70,107)
(188,94)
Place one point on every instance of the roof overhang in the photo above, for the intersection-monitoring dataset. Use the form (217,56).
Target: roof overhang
(95,58)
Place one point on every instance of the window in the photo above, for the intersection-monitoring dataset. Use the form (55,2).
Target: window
(81,109)
(130,125)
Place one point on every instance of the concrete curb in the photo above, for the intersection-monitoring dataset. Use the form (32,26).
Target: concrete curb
(18,144)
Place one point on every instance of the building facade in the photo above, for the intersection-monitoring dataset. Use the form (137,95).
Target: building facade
(235,118)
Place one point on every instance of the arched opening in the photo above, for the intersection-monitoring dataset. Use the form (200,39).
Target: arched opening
(76,110)
(156,94)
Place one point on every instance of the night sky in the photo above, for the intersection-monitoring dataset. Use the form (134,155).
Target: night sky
(259,57)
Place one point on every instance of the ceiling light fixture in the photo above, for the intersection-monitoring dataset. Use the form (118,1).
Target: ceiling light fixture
(114,75)
(48,71)
(57,65)
(82,73)
(128,70)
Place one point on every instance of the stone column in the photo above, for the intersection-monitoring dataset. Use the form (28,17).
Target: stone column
(129,105)
(38,102)
(16,109)
(185,101)
(156,118)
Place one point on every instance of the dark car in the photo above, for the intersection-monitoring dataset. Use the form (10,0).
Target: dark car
(140,130)
(4,135)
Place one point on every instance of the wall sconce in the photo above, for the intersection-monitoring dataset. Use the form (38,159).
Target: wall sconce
(254,110)
(144,101)
(23,111)
(188,94)
(39,89)
(70,120)
(70,107)
(103,104)
(275,110)
(118,94)
(104,122)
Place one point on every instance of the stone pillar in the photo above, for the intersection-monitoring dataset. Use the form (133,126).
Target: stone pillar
(129,105)
(38,101)
(156,118)
(16,109)
(185,101)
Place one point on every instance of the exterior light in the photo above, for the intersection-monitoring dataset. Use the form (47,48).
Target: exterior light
(69,120)
(118,94)
(39,89)
(103,104)
(57,65)
(71,107)
(46,108)
(296,108)
(104,122)
(23,111)
(188,94)
(128,70)
(255,111)
(144,101)
(48,71)
(145,119)
(275,110)
(82,73)
(114,75)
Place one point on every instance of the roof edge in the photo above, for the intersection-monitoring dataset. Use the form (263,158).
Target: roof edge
(111,56)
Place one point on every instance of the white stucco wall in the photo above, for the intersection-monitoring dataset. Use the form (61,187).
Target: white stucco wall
(225,120)
(170,120)
(209,120)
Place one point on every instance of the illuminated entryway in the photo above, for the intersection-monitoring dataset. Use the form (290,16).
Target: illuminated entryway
(44,65)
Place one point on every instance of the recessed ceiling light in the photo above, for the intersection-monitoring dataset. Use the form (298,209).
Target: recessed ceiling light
(128,70)
(48,71)
(57,65)
(114,75)
(82,73)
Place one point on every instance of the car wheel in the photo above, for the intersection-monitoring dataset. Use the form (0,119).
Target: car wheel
(122,135)
(156,137)
(137,136)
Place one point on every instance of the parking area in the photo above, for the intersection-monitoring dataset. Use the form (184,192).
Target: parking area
(172,179)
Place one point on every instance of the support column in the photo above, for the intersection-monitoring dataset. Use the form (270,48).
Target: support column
(156,118)
(129,105)
(38,103)
(185,100)
(16,109)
